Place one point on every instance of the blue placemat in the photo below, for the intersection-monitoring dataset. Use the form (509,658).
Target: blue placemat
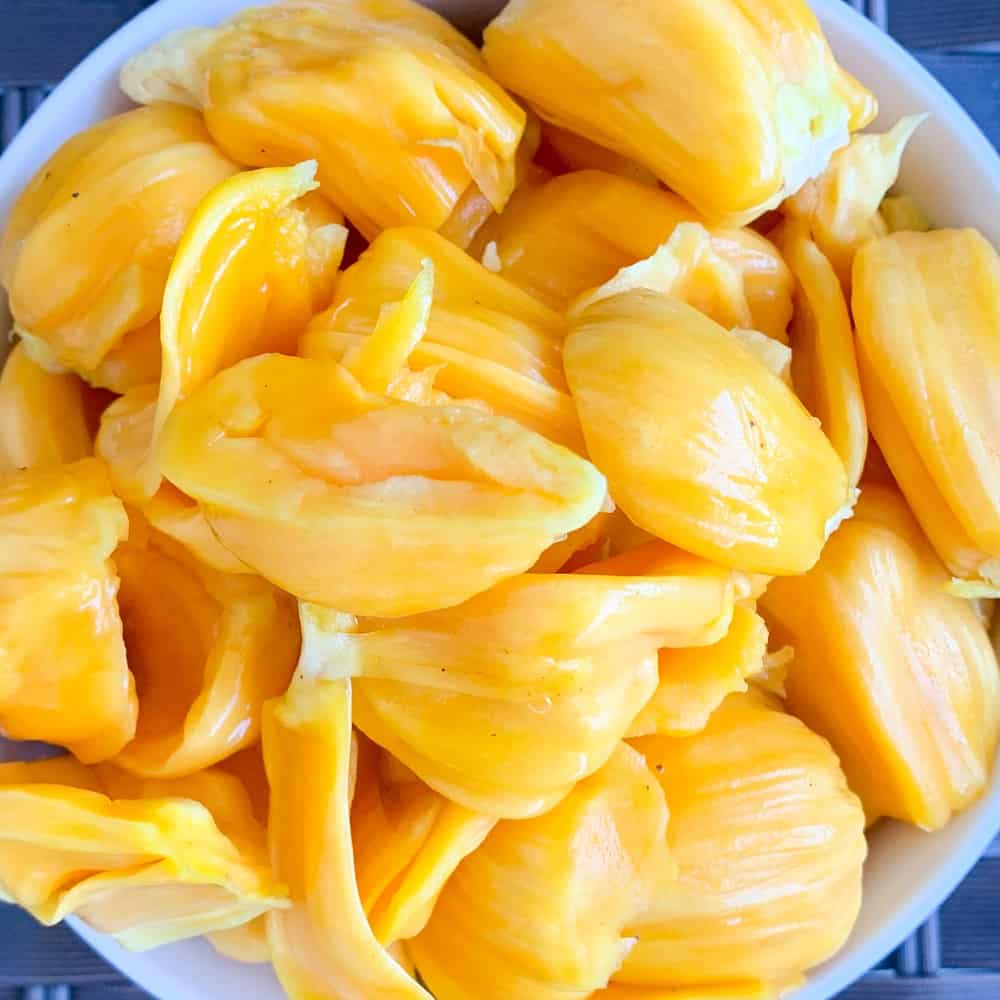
(956,954)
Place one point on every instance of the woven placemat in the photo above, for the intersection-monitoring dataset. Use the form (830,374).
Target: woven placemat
(956,954)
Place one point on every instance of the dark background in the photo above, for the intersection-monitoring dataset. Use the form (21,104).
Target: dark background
(956,955)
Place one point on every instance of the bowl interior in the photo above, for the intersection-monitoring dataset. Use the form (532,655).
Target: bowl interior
(953,172)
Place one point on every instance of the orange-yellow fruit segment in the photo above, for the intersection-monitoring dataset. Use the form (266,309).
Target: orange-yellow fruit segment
(590,865)
(473,209)
(633,552)
(824,362)
(336,495)
(283,84)
(382,355)
(64,678)
(898,674)
(763,103)
(575,544)
(207,649)
(927,309)
(179,517)
(503,702)
(146,862)
(408,840)
(124,443)
(902,212)
(87,247)
(242,282)
(124,440)
(134,361)
(488,340)
(702,444)
(246,943)
(322,946)
(693,682)
(688,268)
(769,844)
(43,417)
(595,223)
(574,152)
(841,206)
(248,767)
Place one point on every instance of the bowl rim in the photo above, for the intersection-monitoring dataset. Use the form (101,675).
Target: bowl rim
(166,976)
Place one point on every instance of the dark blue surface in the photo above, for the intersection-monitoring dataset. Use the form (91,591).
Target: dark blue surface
(956,955)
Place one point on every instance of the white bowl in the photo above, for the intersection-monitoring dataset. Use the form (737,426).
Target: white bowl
(950,168)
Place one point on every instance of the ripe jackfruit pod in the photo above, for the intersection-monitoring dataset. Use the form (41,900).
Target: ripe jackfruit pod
(336,494)
(693,682)
(687,268)
(489,340)
(902,212)
(503,702)
(408,840)
(207,649)
(567,151)
(63,677)
(246,943)
(927,309)
(769,844)
(824,361)
(123,443)
(841,206)
(148,862)
(474,209)
(702,444)
(898,674)
(322,946)
(251,271)
(594,223)
(292,82)
(88,244)
(591,865)
(772,103)
(44,417)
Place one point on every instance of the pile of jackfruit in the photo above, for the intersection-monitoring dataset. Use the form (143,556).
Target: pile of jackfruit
(491,525)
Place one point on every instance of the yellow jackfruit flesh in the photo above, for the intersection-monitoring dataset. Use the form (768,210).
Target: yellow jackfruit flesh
(898,674)
(43,416)
(841,206)
(63,674)
(148,862)
(123,443)
(769,844)
(245,943)
(927,309)
(693,682)
(574,152)
(207,649)
(545,904)
(595,223)
(824,360)
(901,211)
(87,247)
(702,444)
(503,702)
(772,102)
(295,81)
(489,340)
(322,946)
(336,494)
(408,840)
